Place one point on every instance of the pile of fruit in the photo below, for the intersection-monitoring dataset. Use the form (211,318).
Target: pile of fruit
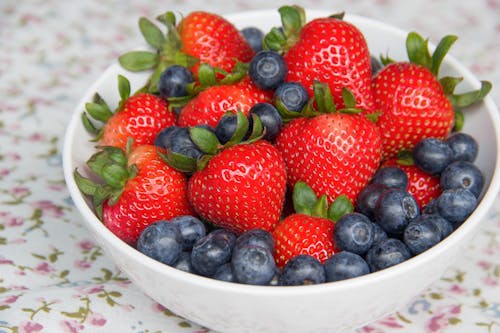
(286,157)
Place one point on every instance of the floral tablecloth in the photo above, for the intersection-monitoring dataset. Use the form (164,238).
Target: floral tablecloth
(54,278)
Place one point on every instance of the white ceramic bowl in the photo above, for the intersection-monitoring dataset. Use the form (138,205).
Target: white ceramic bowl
(331,307)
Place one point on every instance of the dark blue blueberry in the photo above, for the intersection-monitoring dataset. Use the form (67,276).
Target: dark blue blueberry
(379,234)
(292,96)
(173,81)
(226,127)
(302,270)
(395,209)
(212,251)
(270,119)
(444,226)
(367,198)
(432,155)
(421,234)
(224,273)
(456,205)
(275,280)
(376,64)
(463,174)
(184,262)
(391,176)
(178,140)
(258,237)
(345,265)
(387,253)
(267,70)
(431,207)
(354,233)
(161,241)
(253,264)
(254,36)
(191,229)
(463,146)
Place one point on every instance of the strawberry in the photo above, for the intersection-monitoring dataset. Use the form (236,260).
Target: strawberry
(423,186)
(213,40)
(210,104)
(413,103)
(334,153)
(140,117)
(326,49)
(240,185)
(137,190)
(310,229)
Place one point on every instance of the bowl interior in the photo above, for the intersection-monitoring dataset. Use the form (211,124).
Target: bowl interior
(481,121)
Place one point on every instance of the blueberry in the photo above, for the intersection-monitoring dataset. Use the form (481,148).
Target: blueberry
(267,70)
(456,205)
(376,64)
(270,119)
(226,127)
(391,176)
(444,226)
(184,262)
(387,253)
(421,234)
(302,270)
(161,241)
(463,174)
(212,251)
(224,273)
(254,36)
(178,140)
(253,264)
(191,229)
(173,81)
(431,207)
(395,209)
(379,234)
(345,265)
(432,155)
(258,237)
(367,198)
(291,96)
(463,146)
(354,233)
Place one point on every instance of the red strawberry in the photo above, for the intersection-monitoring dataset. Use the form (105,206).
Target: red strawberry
(423,186)
(413,102)
(139,117)
(136,192)
(334,153)
(303,234)
(211,103)
(213,40)
(331,51)
(241,188)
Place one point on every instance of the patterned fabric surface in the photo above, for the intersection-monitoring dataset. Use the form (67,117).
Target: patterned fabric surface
(54,278)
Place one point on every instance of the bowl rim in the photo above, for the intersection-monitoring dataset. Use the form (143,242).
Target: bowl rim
(372,278)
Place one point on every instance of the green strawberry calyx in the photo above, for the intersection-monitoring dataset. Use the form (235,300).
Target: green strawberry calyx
(417,49)
(110,165)
(306,202)
(247,132)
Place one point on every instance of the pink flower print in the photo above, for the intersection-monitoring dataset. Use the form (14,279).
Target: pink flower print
(19,191)
(8,299)
(484,264)
(127,307)
(91,290)
(14,221)
(4,172)
(82,264)
(441,318)
(29,327)
(457,289)
(86,245)
(390,321)
(44,268)
(96,319)
(49,207)
(489,281)
(71,326)
(4,261)
(157,307)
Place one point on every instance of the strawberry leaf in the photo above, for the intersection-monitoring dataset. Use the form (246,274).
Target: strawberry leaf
(449,84)
(178,161)
(136,61)
(89,126)
(471,97)
(440,52)
(274,40)
(123,87)
(85,185)
(348,98)
(241,130)
(320,208)
(405,157)
(304,198)
(152,34)
(168,19)
(98,112)
(204,139)
(114,175)
(459,121)
(340,206)
(257,129)
(417,50)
